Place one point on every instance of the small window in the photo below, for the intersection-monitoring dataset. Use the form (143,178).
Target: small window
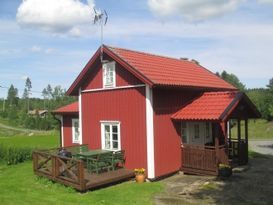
(196,131)
(110,135)
(184,135)
(109,75)
(75,131)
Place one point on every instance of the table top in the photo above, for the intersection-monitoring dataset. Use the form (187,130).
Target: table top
(93,152)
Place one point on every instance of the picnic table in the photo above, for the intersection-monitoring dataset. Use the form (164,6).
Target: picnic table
(92,153)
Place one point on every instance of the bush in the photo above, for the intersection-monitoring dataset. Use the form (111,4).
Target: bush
(15,155)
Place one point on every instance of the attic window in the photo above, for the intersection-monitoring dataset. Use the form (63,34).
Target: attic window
(109,74)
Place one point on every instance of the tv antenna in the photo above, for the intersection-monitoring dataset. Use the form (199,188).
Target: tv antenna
(100,18)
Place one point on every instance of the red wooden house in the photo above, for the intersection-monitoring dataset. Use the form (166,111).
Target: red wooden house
(167,114)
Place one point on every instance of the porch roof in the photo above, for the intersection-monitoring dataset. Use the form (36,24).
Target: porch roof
(218,106)
(72,108)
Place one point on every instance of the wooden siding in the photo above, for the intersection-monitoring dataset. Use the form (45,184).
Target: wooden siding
(126,106)
(123,77)
(67,129)
(167,132)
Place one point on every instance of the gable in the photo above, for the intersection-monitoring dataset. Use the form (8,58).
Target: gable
(154,70)
(94,79)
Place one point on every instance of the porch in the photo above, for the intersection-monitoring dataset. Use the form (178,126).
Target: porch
(211,131)
(73,172)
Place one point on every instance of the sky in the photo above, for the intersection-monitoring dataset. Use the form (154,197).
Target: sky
(51,41)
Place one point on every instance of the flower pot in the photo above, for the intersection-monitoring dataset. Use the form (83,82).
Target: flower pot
(140,178)
(225,172)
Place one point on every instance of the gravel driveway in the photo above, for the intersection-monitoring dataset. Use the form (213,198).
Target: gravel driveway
(251,185)
(261,146)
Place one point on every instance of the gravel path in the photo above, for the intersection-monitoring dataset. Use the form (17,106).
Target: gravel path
(262,146)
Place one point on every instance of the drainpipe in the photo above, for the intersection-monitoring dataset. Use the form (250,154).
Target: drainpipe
(59,119)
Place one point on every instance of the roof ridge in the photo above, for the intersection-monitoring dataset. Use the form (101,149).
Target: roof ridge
(147,53)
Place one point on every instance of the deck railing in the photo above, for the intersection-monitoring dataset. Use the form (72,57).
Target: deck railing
(203,159)
(238,151)
(68,171)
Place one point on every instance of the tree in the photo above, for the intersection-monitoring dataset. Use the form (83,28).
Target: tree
(233,80)
(49,91)
(270,84)
(12,98)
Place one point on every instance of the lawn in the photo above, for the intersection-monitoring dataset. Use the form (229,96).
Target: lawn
(20,186)
(257,129)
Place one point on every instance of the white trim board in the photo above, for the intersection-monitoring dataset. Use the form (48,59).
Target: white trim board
(62,129)
(150,132)
(115,88)
(80,114)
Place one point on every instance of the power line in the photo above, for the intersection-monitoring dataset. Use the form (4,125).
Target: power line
(33,91)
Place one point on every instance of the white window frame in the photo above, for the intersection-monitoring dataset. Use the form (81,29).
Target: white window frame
(104,74)
(186,130)
(73,130)
(110,123)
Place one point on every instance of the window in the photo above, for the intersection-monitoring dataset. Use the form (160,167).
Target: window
(207,130)
(110,135)
(184,135)
(196,131)
(109,75)
(75,131)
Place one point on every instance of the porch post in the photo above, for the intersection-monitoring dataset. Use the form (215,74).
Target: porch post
(239,135)
(246,137)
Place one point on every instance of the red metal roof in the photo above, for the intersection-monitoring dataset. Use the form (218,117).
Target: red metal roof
(157,70)
(67,109)
(171,71)
(209,106)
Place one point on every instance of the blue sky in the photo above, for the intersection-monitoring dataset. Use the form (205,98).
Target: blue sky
(51,41)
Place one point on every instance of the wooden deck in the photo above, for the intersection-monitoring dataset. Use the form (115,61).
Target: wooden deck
(72,172)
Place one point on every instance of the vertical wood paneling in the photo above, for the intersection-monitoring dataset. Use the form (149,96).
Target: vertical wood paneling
(126,106)
(166,132)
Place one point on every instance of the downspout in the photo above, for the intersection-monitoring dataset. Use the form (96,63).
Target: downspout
(60,128)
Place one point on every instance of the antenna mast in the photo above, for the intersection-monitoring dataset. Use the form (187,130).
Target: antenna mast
(100,18)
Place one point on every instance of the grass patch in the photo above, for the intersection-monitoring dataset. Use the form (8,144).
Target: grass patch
(252,154)
(20,186)
(257,129)
(209,186)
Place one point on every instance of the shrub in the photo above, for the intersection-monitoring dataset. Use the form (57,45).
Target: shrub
(15,155)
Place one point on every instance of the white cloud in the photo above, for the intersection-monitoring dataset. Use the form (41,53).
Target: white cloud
(197,10)
(35,49)
(57,16)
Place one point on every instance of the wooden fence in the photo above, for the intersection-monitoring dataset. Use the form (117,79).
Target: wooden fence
(67,171)
(202,159)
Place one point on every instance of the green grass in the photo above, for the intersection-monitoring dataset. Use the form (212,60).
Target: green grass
(50,140)
(20,186)
(257,129)
(252,154)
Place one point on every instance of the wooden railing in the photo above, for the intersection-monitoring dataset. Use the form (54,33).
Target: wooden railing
(68,171)
(203,159)
(238,151)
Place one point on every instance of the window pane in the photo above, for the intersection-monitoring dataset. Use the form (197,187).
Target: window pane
(115,136)
(115,145)
(184,125)
(196,131)
(107,145)
(107,128)
(184,139)
(115,129)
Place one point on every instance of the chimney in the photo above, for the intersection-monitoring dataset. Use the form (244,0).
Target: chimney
(195,61)
(184,59)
